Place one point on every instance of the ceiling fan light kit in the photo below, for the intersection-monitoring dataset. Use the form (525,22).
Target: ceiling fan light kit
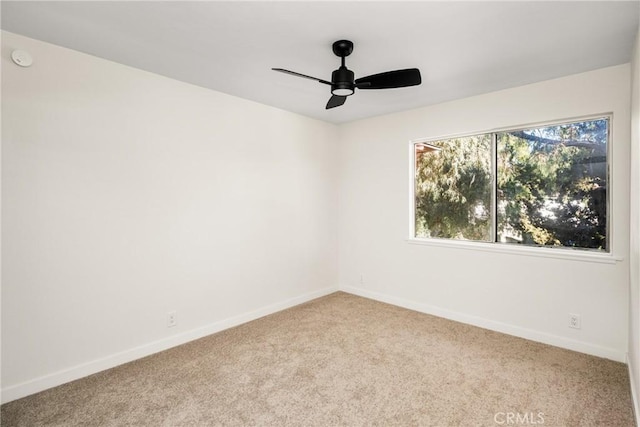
(344,84)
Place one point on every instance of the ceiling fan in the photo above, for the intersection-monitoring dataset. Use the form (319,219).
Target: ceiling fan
(342,80)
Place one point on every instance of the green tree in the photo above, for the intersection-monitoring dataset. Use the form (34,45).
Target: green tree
(551,186)
(453,189)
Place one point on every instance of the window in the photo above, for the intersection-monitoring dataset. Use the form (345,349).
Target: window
(541,186)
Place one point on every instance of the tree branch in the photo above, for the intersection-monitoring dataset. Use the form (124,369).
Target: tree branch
(569,143)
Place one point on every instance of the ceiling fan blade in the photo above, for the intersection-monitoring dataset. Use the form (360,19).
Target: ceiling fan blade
(335,101)
(390,79)
(293,73)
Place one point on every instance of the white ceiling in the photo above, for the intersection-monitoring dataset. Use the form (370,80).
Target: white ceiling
(461,48)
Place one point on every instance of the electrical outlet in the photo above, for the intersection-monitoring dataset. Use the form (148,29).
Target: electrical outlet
(574,321)
(362,279)
(171,319)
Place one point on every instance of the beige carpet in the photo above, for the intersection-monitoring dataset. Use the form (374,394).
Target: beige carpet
(343,360)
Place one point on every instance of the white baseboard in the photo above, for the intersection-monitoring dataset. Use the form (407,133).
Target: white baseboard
(530,334)
(634,391)
(64,376)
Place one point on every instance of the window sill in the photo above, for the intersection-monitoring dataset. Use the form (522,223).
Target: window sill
(557,253)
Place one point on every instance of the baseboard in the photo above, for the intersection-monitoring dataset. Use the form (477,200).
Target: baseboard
(634,391)
(533,335)
(64,376)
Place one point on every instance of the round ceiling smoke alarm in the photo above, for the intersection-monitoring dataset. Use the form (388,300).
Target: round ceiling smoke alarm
(22,58)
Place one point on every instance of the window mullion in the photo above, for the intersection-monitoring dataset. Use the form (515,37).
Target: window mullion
(494,187)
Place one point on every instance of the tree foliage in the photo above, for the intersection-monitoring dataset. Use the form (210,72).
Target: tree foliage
(453,191)
(551,187)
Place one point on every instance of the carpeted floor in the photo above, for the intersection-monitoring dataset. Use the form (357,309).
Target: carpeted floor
(343,360)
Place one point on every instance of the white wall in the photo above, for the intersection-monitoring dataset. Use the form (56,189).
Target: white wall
(127,195)
(518,294)
(634,249)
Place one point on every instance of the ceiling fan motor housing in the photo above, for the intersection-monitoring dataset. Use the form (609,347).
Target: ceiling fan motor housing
(342,82)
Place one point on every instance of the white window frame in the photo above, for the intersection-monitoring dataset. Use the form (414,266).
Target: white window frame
(568,253)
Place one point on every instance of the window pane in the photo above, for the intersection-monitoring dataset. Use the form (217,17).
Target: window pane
(552,185)
(453,188)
